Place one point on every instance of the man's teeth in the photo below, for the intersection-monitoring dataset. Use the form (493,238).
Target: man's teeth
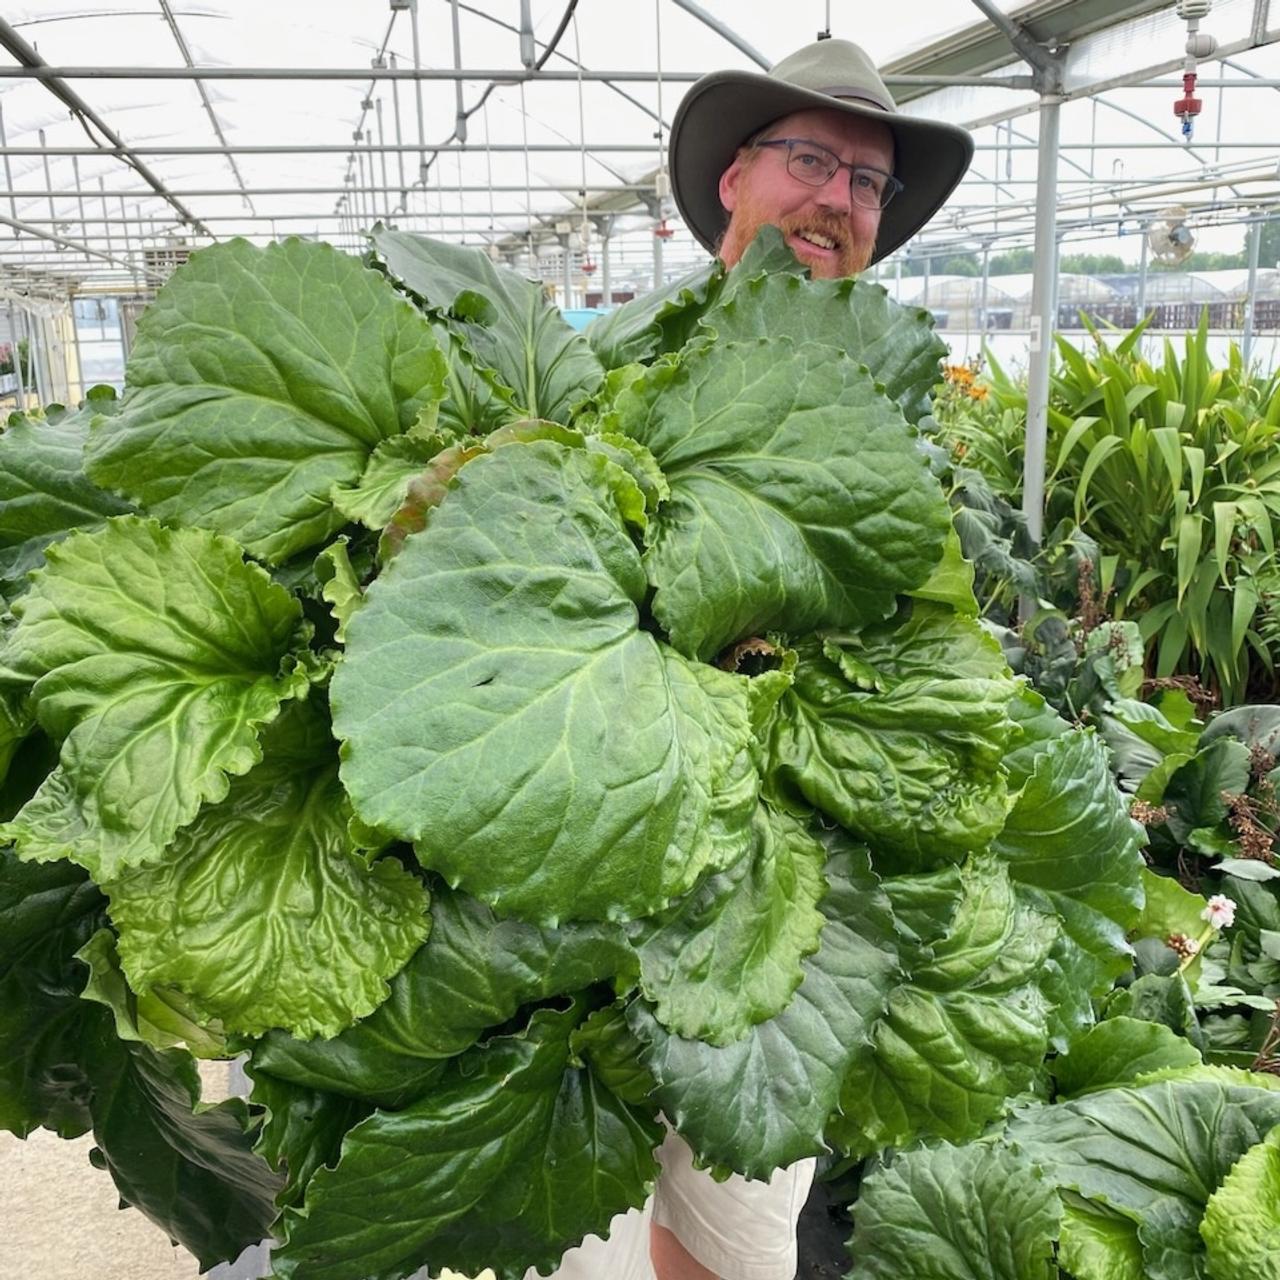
(823,242)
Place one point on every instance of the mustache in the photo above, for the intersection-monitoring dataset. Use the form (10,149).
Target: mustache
(855,253)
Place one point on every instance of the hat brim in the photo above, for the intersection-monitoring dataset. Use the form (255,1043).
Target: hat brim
(723,110)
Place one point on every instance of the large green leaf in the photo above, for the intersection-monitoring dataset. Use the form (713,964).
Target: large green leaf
(263,911)
(473,973)
(967,1029)
(1195,796)
(503,644)
(47,913)
(655,322)
(302,1130)
(1072,849)
(1241,1225)
(505,319)
(798,496)
(1097,1242)
(898,734)
(729,955)
(157,655)
(1156,1152)
(44,492)
(514,1157)
(897,344)
(475,400)
(762,1101)
(380,492)
(260,378)
(980,1212)
(1118,1051)
(188,1166)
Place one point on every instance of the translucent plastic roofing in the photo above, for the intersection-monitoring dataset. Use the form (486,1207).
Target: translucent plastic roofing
(265,154)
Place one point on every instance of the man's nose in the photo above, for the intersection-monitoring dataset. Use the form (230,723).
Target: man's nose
(836,195)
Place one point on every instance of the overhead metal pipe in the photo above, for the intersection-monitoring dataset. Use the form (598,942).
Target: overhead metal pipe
(460,110)
(417,88)
(726,32)
(32,64)
(8,168)
(568,190)
(503,75)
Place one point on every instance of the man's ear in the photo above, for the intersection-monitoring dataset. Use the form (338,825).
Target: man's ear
(729,183)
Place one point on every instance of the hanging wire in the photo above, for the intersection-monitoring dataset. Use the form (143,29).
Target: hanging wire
(488,159)
(582,143)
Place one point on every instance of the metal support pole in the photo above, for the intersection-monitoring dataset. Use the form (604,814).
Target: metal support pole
(982,301)
(528,50)
(8,172)
(417,90)
(48,180)
(75,342)
(395,103)
(75,170)
(106,220)
(1142,271)
(460,107)
(1255,245)
(1044,273)
(386,202)
(606,287)
(566,247)
(658,273)
(128,246)
(928,265)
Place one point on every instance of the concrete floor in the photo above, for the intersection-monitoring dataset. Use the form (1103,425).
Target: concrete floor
(60,1217)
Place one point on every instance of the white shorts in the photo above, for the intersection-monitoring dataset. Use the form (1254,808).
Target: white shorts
(739,1229)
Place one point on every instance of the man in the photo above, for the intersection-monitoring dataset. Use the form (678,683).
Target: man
(816,148)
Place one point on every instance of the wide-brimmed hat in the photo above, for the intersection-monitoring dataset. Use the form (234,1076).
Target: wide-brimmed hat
(723,109)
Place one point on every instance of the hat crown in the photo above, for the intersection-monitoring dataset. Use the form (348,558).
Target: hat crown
(837,68)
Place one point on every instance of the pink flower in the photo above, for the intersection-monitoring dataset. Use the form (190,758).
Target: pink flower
(1220,912)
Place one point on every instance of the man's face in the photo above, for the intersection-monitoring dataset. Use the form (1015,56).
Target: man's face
(757,190)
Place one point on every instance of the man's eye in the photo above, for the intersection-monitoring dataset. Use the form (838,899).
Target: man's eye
(868,181)
(807,160)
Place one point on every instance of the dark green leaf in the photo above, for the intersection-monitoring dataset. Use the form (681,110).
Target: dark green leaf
(762,1102)
(506,320)
(514,1157)
(798,496)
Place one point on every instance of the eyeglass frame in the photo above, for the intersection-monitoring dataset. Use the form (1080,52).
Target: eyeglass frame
(893,186)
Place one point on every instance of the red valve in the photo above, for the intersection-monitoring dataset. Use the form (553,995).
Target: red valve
(1188,105)
(664,232)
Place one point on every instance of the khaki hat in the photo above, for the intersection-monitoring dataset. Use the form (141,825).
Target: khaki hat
(723,109)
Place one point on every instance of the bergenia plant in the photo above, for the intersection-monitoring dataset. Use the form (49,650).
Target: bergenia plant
(514,741)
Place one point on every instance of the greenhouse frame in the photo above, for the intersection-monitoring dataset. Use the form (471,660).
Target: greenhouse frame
(521,738)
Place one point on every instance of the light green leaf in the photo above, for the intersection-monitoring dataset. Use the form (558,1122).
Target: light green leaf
(913,764)
(162,1018)
(968,1027)
(474,972)
(339,584)
(1241,1224)
(514,1157)
(44,492)
(262,911)
(380,490)
(897,344)
(799,498)
(955,1213)
(504,318)
(654,322)
(504,643)
(260,378)
(762,1101)
(1116,1052)
(1097,1242)
(1155,1153)
(728,956)
(475,400)
(157,655)
(951,582)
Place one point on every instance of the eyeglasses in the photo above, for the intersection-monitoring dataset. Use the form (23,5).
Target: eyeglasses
(815,166)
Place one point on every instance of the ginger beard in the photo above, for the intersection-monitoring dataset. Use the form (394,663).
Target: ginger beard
(852,253)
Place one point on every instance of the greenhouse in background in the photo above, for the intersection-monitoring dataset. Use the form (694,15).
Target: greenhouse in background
(488,689)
